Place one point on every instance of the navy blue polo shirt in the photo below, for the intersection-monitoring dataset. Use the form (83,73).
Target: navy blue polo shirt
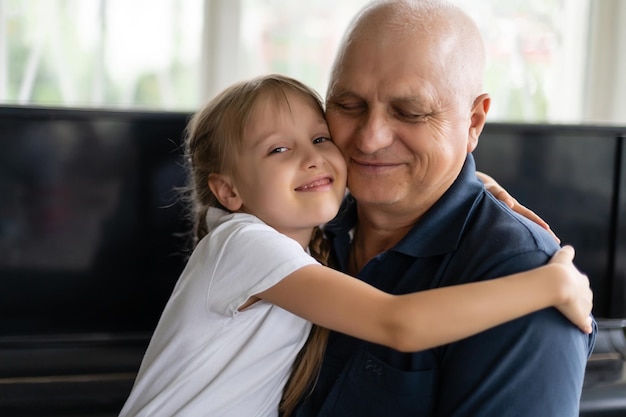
(530,367)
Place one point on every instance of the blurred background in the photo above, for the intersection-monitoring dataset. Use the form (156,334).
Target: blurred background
(554,61)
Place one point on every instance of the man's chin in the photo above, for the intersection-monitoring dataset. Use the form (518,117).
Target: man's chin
(372,196)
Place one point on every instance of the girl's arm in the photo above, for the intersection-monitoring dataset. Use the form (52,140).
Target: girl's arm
(430,318)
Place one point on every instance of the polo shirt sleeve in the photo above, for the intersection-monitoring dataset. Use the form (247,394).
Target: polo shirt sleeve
(252,257)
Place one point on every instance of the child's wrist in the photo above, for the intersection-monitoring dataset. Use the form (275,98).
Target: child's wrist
(562,283)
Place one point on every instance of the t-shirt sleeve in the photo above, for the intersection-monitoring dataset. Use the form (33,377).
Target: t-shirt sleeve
(252,257)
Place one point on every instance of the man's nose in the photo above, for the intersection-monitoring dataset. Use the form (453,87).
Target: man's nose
(374,133)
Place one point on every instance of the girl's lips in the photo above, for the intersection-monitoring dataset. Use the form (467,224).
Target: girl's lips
(320,182)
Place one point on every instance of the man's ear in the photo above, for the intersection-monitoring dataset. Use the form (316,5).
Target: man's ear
(224,190)
(480,108)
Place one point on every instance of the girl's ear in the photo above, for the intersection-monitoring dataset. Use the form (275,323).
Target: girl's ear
(224,190)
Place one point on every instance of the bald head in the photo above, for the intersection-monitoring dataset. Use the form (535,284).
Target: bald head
(441,25)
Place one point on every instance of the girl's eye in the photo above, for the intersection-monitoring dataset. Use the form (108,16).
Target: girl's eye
(279,149)
(321,139)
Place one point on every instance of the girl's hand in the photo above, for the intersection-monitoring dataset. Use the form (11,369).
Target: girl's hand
(503,195)
(578,297)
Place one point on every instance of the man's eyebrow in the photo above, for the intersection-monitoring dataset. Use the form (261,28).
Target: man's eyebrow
(342,94)
(412,100)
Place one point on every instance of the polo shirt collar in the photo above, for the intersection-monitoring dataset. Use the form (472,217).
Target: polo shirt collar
(437,232)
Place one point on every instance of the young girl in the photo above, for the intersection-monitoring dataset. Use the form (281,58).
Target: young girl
(264,174)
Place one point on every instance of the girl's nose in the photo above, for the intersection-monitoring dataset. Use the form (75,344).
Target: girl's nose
(312,157)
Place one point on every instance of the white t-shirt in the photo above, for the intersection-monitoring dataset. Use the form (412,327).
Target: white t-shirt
(205,357)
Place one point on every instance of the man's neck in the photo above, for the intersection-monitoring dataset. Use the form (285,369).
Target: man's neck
(376,232)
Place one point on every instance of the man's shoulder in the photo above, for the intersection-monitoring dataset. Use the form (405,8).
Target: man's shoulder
(493,221)
(496,242)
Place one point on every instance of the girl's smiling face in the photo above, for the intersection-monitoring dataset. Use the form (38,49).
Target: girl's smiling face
(288,172)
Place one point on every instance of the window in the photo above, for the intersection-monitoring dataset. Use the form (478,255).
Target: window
(100,53)
(548,60)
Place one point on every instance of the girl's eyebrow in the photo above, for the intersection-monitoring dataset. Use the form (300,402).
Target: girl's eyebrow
(261,138)
(322,121)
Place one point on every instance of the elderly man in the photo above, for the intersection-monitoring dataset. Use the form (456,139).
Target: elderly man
(406,107)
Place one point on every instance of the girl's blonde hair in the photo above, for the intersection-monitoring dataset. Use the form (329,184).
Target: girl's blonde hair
(213,138)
